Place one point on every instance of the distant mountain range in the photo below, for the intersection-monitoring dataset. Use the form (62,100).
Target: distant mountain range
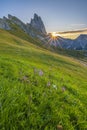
(36,29)
(80,43)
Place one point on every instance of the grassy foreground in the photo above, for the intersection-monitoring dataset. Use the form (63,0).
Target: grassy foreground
(40,90)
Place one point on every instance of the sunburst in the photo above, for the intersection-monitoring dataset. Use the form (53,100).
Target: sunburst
(53,39)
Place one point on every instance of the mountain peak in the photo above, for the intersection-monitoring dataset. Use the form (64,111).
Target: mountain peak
(35,15)
(37,23)
(82,36)
(9,15)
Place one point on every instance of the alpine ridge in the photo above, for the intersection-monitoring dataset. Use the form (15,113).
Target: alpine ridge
(35,28)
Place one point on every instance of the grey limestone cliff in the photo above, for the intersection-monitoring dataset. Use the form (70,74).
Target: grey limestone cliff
(4,24)
(37,23)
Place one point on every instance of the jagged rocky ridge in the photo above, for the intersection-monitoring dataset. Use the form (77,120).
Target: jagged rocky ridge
(36,29)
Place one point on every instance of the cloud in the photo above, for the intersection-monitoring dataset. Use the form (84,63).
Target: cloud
(78,25)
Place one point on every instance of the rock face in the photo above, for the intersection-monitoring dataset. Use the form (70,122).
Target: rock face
(15,20)
(37,23)
(80,43)
(4,24)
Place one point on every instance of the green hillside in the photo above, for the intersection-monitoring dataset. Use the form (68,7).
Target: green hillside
(40,90)
(18,32)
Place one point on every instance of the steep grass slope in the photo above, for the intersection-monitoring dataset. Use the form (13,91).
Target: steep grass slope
(40,90)
(18,32)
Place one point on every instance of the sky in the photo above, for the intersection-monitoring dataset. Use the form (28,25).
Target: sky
(57,15)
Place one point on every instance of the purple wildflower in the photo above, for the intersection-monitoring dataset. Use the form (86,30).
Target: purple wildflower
(40,73)
(63,89)
(48,84)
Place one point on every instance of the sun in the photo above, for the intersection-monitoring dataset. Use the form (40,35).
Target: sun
(53,34)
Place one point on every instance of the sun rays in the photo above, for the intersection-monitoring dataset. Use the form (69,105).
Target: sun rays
(53,39)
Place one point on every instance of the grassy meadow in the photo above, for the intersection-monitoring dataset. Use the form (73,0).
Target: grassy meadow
(39,89)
